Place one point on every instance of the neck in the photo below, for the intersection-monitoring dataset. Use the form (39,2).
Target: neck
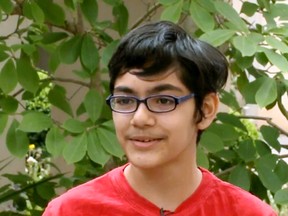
(167,187)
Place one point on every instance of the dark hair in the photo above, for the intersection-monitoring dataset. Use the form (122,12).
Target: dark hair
(156,46)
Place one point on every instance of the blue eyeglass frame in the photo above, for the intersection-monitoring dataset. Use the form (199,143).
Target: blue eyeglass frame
(178,100)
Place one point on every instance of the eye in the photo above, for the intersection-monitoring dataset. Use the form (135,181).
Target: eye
(165,100)
(124,101)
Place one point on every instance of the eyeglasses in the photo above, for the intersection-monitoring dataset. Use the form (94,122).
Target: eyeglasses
(154,103)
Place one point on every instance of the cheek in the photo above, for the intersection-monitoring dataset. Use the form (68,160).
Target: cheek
(121,122)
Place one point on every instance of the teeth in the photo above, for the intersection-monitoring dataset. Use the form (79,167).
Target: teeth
(146,140)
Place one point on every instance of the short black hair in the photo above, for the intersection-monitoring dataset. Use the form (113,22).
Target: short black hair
(154,47)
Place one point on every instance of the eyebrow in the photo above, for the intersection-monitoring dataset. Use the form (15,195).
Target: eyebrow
(156,89)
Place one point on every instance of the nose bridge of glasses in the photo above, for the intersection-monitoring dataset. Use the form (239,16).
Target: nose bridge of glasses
(144,101)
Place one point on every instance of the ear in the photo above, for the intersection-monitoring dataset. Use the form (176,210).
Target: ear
(209,109)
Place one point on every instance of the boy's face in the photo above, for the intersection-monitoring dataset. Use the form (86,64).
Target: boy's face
(150,139)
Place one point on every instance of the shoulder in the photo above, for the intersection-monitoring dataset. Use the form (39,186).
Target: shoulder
(242,202)
(88,194)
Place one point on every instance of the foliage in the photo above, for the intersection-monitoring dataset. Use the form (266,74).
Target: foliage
(28,192)
(73,33)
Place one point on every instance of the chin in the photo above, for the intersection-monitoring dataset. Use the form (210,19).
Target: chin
(146,163)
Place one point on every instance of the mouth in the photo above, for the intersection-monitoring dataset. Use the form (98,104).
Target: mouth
(144,142)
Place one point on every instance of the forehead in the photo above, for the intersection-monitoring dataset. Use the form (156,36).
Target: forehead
(133,82)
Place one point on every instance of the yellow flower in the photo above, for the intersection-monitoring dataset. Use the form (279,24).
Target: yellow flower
(31,146)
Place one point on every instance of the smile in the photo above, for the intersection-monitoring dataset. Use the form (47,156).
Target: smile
(144,142)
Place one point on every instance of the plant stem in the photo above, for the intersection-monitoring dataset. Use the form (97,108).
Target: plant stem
(268,120)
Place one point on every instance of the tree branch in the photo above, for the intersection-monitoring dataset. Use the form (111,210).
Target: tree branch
(225,171)
(283,156)
(268,120)
(59,79)
(282,108)
(149,12)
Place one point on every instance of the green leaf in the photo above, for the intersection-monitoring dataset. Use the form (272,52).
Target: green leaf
(7,6)
(281,171)
(279,10)
(227,155)
(246,150)
(70,50)
(262,58)
(172,12)
(26,9)
(55,141)
(276,59)
(52,37)
(3,55)
(109,142)
(208,5)
(232,120)
(57,97)
(3,122)
(262,148)
(277,44)
(28,49)
(245,45)
(54,61)
(89,54)
(229,99)
(211,141)
(17,141)
(46,190)
(108,52)
(8,104)
(93,103)
(217,37)
(90,10)
(271,135)
(264,4)
(279,30)
(95,150)
(267,92)
(71,4)
(167,2)
(240,177)
(249,8)
(285,82)
(227,11)
(281,196)
(73,126)
(53,12)
(121,15)
(249,90)
(35,122)
(202,159)
(109,125)
(27,75)
(244,62)
(224,131)
(76,150)
(202,18)
(8,77)
(269,179)
(37,13)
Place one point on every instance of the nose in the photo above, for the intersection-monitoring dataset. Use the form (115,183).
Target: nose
(142,117)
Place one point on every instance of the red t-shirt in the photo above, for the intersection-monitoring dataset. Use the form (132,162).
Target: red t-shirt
(111,194)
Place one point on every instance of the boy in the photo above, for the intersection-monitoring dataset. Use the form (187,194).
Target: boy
(164,88)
